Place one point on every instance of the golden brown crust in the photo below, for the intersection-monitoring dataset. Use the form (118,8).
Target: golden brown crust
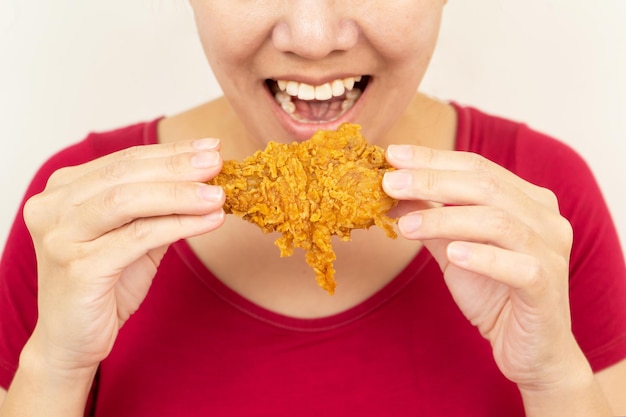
(309,191)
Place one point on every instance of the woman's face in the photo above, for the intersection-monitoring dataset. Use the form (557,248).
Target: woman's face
(292,67)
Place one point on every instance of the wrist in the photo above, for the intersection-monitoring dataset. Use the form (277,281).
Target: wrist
(575,393)
(39,359)
(44,387)
(41,387)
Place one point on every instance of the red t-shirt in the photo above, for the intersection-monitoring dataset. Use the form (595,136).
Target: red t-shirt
(197,348)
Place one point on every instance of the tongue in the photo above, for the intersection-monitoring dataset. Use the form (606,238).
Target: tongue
(318,111)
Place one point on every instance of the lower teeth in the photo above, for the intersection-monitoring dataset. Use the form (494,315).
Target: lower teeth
(289,107)
(347,104)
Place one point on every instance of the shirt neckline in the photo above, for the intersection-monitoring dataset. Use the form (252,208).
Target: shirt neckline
(262,314)
(239,302)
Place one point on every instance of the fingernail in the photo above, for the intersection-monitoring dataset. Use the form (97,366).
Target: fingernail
(205,144)
(400,152)
(205,159)
(458,252)
(410,223)
(398,180)
(210,192)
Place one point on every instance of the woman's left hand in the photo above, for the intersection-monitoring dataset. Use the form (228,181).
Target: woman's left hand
(504,250)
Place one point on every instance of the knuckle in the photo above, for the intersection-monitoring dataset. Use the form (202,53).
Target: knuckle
(491,262)
(488,185)
(428,155)
(501,222)
(565,233)
(181,222)
(440,221)
(525,236)
(562,264)
(567,230)
(60,176)
(534,272)
(131,152)
(175,165)
(37,214)
(115,170)
(549,198)
(179,147)
(139,229)
(430,181)
(478,162)
(32,211)
(506,225)
(59,250)
(558,232)
(179,192)
(49,243)
(114,198)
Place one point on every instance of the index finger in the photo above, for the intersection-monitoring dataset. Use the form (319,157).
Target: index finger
(68,175)
(420,157)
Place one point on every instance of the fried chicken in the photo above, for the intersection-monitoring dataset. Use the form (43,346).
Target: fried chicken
(309,191)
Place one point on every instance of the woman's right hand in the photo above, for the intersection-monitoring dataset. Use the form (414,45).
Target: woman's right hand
(100,231)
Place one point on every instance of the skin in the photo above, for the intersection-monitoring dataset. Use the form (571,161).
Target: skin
(314,42)
(101,229)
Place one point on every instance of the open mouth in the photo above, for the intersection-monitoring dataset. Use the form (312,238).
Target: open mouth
(324,103)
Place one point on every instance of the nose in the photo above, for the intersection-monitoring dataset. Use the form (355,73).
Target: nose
(313,29)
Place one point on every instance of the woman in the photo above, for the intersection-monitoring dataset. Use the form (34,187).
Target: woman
(489,304)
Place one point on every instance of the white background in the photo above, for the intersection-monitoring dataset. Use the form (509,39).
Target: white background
(68,67)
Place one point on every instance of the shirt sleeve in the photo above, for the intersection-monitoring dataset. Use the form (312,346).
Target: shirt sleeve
(597,270)
(18,292)
(597,275)
(18,265)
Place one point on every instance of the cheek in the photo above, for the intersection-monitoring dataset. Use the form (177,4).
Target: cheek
(229,33)
(407,29)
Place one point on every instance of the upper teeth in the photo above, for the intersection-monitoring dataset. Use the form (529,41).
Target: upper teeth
(325,91)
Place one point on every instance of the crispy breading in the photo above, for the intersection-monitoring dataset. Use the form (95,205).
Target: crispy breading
(309,191)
